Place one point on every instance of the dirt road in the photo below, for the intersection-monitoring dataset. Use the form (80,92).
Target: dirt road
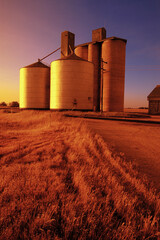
(139,142)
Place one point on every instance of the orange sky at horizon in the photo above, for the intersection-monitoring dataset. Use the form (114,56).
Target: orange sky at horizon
(32,29)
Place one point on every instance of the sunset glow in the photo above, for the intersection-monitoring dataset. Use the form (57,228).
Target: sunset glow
(32,29)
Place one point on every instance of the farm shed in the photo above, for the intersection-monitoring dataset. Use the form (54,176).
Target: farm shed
(154,101)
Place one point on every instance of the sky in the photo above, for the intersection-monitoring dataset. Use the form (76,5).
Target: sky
(31,29)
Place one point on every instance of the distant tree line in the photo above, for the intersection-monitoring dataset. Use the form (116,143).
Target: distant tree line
(11,104)
(143,107)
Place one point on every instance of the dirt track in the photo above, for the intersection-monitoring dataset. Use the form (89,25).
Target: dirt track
(139,142)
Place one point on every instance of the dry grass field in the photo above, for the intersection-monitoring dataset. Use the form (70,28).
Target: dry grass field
(136,110)
(60,181)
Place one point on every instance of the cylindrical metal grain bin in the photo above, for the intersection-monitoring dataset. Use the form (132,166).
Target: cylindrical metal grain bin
(35,86)
(94,55)
(71,84)
(112,80)
(82,52)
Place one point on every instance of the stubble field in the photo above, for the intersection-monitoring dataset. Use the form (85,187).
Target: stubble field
(58,180)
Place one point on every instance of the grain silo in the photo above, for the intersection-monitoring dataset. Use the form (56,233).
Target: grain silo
(82,51)
(71,84)
(94,56)
(90,79)
(35,86)
(112,82)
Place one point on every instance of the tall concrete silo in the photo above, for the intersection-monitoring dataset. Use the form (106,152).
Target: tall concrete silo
(91,51)
(82,51)
(94,56)
(71,84)
(35,86)
(112,87)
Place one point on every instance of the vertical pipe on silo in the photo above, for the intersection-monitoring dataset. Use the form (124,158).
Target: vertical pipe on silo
(94,55)
(82,52)
(113,52)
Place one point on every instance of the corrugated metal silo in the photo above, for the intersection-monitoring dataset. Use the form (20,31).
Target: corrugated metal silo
(82,52)
(113,52)
(71,84)
(94,54)
(35,86)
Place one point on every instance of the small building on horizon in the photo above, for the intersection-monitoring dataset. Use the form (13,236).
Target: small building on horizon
(154,101)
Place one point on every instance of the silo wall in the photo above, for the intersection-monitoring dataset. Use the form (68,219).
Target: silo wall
(94,56)
(112,86)
(71,85)
(35,88)
(82,52)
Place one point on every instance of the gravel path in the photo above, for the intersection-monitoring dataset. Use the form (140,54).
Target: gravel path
(138,141)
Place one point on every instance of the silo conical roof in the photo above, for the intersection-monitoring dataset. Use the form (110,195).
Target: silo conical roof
(37,64)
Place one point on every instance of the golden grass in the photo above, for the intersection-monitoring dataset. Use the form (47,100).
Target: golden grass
(60,181)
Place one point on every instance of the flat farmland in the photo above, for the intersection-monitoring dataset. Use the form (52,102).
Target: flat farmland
(60,180)
(138,142)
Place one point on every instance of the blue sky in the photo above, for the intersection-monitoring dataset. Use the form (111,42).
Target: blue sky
(30,29)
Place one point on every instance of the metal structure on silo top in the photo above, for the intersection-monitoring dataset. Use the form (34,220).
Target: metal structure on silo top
(98,34)
(113,77)
(35,86)
(67,43)
(71,84)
